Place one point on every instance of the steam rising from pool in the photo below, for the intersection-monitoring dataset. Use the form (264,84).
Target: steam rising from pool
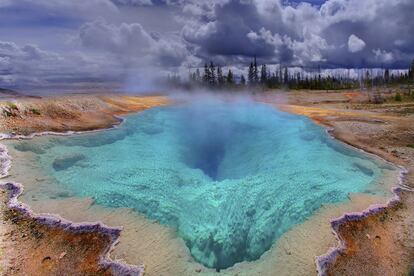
(230,177)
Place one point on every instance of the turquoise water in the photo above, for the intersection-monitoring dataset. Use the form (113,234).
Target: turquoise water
(231,178)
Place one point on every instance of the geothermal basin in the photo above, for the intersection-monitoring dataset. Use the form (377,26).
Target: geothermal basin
(228,177)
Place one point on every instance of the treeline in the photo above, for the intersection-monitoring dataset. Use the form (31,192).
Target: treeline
(283,78)
(213,77)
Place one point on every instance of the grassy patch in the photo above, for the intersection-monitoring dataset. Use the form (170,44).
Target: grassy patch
(398,97)
(10,109)
(12,106)
(401,98)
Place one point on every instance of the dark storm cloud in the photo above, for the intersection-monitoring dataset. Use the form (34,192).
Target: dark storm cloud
(304,34)
(384,26)
(247,29)
(226,32)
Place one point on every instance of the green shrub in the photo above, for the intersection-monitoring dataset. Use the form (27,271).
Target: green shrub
(398,97)
(12,106)
(35,111)
(411,146)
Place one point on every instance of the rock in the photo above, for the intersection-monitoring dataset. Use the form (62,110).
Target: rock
(364,169)
(47,258)
(63,194)
(63,254)
(152,130)
(67,161)
(25,147)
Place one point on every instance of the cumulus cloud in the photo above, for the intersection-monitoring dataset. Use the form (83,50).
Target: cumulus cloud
(28,53)
(30,65)
(341,33)
(383,56)
(15,60)
(355,44)
(265,29)
(132,44)
(142,57)
(126,39)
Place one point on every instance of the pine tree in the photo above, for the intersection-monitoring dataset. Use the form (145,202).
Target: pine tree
(412,71)
(255,72)
(367,79)
(198,76)
(286,76)
(220,77)
(319,81)
(387,76)
(212,74)
(250,75)
(280,76)
(242,80)
(263,74)
(192,77)
(230,78)
(298,78)
(273,81)
(207,76)
(307,83)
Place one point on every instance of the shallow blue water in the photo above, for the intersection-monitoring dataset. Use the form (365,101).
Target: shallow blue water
(230,177)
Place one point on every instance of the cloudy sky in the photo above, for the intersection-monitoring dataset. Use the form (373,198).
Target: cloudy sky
(61,41)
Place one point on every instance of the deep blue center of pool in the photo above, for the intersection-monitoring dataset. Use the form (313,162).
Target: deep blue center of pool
(231,178)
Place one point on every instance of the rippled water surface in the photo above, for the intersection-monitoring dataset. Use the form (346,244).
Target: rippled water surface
(231,178)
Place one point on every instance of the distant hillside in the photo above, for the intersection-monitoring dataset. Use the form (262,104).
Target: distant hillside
(4,92)
(9,93)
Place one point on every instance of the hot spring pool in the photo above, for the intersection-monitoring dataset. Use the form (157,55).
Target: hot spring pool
(231,178)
